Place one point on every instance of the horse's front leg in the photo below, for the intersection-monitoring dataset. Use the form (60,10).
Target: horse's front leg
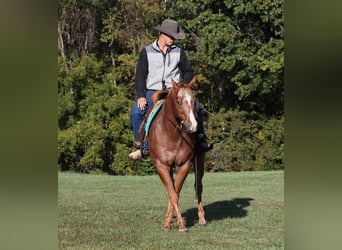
(181,174)
(169,211)
(166,177)
(199,172)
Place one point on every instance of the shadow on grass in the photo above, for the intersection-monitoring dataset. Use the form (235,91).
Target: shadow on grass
(219,210)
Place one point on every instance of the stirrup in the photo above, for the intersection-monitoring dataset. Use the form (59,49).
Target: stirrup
(145,152)
(137,144)
(202,143)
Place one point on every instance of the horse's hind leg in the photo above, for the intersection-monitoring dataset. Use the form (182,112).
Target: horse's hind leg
(168,217)
(173,206)
(199,172)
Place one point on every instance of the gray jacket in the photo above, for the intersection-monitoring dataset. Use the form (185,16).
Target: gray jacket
(153,67)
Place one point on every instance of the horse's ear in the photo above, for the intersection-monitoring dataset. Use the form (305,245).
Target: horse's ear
(192,82)
(174,84)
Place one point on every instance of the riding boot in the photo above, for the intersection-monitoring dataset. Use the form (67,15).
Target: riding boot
(202,144)
(138,154)
(141,133)
(142,147)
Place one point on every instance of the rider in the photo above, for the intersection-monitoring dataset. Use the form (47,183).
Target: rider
(158,63)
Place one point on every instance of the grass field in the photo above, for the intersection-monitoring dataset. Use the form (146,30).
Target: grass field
(245,211)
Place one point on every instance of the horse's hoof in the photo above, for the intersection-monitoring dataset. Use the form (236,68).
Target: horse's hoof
(166,229)
(203,223)
(183,230)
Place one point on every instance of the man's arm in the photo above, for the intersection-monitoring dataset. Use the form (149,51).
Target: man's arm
(185,67)
(141,74)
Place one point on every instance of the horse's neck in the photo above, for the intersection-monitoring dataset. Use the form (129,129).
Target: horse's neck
(170,129)
(170,109)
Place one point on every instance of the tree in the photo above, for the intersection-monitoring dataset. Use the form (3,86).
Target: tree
(78,25)
(237,48)
(100,125)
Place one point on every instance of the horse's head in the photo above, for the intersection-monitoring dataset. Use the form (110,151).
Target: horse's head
(184,105)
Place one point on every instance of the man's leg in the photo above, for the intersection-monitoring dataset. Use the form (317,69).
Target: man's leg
(149,93)
(136,116)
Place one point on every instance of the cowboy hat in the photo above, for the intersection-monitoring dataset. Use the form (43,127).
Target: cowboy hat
(171,28)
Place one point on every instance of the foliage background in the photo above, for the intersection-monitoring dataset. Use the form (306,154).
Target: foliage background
(236,48)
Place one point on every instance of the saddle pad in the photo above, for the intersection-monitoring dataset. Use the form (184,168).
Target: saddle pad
(153,113)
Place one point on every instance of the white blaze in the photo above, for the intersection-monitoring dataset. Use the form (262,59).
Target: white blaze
(191,114)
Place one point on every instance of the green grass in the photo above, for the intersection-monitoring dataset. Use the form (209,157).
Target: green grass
(245,211)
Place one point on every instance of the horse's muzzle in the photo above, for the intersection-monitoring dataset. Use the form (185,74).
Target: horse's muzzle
(189,127)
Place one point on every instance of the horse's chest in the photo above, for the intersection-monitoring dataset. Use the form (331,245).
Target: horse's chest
(177,157)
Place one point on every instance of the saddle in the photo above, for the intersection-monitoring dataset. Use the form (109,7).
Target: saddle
(159,95)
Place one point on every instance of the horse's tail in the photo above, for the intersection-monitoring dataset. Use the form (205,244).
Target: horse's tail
(196,174)
(199,172)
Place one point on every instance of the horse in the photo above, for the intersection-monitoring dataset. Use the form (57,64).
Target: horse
(172,143)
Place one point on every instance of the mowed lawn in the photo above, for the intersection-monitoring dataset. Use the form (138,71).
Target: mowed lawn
(245,210)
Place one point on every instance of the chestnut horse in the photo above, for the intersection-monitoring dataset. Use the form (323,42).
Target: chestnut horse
(172,140)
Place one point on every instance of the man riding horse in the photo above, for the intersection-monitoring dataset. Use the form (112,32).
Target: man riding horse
(158,63)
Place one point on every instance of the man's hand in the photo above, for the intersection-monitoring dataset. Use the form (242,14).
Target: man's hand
(142,103)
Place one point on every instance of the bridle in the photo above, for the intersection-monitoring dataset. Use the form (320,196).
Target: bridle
(179,125)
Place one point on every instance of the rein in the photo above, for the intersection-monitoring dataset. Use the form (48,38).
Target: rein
(186,138)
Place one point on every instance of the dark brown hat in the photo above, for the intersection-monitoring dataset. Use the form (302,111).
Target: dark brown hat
(171,28)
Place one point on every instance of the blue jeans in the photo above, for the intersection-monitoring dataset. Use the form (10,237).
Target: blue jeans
(137,116)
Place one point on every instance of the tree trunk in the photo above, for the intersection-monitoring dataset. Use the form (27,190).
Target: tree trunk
(61,46)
